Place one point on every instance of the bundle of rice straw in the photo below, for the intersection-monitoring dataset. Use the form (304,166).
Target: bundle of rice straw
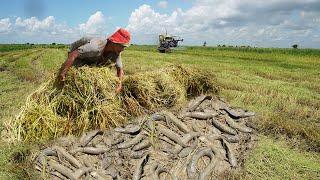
(88,100)
(166,87)
(152,90)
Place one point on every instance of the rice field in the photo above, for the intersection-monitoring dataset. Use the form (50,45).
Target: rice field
(281,85)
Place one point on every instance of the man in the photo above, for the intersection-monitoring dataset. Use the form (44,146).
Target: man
(98,52)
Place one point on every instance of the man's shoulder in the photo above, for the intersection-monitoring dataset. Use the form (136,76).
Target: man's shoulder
(91,38)
(98,40)
(93,47)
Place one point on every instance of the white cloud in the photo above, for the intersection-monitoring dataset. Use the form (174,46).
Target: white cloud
(48,30)
(163,4)
(251,22)
(231,21)
(45,30)
(145,24)
(5,25)
(146,20)
(95,24)
(34,25)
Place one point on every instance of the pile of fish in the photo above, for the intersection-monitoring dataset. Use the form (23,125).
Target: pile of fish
(202,141)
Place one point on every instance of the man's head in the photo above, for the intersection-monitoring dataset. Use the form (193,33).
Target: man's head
(121,36)
(118,41)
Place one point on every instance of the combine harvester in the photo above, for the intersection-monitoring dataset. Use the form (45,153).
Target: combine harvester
(167,42)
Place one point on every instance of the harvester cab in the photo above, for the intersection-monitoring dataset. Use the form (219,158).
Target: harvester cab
(167,42)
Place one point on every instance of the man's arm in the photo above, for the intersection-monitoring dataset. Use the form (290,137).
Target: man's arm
(67,64)
(120,75)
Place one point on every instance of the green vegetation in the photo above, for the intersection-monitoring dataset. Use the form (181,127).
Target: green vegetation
(14,47)
(275,160)
(281,85)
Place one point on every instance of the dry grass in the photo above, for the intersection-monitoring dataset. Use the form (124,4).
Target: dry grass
(87,100)
(167,87)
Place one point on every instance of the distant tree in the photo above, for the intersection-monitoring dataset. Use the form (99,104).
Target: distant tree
(219,45)
(204,44)
(53,43)
(223,45)
(295,46)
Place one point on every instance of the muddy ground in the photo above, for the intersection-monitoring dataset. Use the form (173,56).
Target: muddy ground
(204,140)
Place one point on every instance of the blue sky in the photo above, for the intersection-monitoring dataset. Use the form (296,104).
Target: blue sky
(77,11)
(274,23)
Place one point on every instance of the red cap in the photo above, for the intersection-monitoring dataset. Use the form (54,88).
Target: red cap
(121,36)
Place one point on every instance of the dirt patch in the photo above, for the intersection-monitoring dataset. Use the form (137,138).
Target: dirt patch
(205,140)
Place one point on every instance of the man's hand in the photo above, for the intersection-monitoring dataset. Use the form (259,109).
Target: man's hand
(62,77)
(119,88)
(120,74)
(67,64)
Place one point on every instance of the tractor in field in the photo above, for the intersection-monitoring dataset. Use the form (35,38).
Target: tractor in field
(167,42)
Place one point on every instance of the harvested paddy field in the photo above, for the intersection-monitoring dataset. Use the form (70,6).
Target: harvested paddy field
(279,85)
